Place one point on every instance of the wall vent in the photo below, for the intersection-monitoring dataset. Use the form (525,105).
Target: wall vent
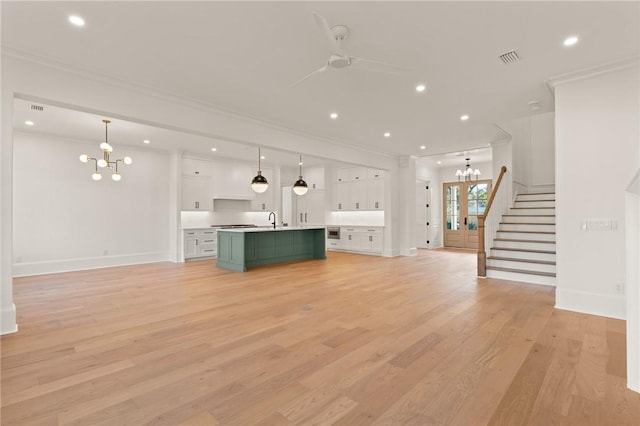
(37,107)
(509,57)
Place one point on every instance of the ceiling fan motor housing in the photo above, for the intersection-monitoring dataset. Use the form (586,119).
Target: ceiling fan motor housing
(338,61)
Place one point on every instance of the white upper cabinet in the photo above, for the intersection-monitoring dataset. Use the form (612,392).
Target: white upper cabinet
(197,168)
(358,188)
(314,176)
(196,194)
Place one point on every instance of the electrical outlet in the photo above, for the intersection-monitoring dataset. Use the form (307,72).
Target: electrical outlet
(619,288)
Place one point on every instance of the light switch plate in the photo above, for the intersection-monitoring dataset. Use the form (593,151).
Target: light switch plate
(599,225)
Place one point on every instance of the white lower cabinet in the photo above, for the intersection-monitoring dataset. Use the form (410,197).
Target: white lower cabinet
(359,239)
(200,243)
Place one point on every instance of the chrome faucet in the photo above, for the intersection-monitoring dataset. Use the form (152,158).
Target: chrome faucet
(274,219)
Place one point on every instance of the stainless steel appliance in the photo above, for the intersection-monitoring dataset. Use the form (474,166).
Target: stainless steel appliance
(333,232)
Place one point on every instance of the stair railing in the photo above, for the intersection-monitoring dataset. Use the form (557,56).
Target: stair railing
(489,222)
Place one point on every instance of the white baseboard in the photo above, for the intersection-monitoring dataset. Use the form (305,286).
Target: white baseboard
(409,252)
(67,265)
(8,319)
(604,305)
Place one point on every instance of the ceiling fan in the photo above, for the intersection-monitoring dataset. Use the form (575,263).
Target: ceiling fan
(338,56)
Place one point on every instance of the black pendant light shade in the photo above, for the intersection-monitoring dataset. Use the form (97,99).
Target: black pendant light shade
(259,183)
(300,187)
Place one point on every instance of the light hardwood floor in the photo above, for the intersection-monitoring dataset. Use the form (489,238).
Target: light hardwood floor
(351,340)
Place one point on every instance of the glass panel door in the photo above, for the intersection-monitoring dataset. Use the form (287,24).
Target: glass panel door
(453,207)
(463,203)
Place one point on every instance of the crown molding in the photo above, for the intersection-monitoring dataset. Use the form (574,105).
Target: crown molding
(582,74)
(181,100)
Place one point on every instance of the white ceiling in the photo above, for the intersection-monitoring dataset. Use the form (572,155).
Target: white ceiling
(244,57)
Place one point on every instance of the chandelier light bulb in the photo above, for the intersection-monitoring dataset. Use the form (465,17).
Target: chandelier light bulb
(96,176)
(84,158)
(102,163)
(104,146)
(127,160)
(116,177)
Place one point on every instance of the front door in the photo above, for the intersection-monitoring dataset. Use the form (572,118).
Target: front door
(463,202)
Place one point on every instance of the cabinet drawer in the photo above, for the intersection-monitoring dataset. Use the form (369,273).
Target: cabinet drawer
(190,234)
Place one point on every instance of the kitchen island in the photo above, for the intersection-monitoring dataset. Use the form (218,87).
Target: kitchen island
(240,249)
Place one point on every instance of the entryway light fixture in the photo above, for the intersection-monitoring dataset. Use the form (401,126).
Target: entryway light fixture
(259,183)
(300,187)
(468,173)
(105,161)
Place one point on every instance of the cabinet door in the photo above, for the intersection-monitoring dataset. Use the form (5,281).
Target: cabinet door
(195,194)
(314,176)
(195,167)
(232,179)
(311,206)
(375,194)
(190,247)
(341,197)
(358,195)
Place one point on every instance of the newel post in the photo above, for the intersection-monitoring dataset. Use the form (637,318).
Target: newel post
(482,254)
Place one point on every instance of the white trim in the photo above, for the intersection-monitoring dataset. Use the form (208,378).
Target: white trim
(552,82)
(409,252)
(605,305)
(8,323)
(67,265)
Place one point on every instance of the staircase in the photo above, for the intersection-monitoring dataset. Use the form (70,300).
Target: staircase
(525,245)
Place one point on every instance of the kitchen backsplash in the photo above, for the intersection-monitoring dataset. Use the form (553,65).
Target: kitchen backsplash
(208,218)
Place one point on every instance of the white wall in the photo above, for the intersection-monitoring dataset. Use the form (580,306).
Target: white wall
(63,220)
(533,145)
(633,283)
(596,158)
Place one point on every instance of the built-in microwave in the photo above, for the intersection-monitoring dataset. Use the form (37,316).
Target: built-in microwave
(333,232)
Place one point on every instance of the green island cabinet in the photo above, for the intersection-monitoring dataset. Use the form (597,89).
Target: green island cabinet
(241,249)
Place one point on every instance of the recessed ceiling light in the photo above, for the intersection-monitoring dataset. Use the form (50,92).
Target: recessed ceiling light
(439,162)
(146,141)
(464,117)
(76,20)
(420,88)
(29,123)
(214,149)
(570,41)
(333,115)
(262,157)
(423,147)
(387,134)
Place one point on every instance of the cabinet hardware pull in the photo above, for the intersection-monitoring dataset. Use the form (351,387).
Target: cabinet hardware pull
(370,238)
(300,217)
(314,186)
(305,218)
(376,204)
(339,206)
(197,172)
(357,205)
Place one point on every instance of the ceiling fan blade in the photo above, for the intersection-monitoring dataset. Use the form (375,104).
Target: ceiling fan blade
(311,74)
(323,25)
(372,65)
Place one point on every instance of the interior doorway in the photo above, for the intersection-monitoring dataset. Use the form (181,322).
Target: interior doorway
(462,203)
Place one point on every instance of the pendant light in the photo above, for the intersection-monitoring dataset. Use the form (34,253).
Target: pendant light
(468,173)
(300,187)
(259,183)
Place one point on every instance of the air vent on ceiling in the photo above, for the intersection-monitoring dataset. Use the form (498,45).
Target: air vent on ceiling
(37,107)
(509,57)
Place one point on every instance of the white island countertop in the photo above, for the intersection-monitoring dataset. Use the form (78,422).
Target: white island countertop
(271,229)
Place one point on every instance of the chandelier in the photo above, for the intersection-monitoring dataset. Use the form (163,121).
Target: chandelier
(468,173)
(300,187)
(105,161)
(259,183)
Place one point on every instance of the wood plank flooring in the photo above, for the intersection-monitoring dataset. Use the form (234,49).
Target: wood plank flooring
(353,340)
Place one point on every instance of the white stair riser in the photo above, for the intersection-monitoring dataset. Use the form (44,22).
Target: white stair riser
(526,245)
(514,276)
(534,212)
(550,196)
(526,227)
(526,266)
(523,255)
(526,236)
(525,218)
(541,203)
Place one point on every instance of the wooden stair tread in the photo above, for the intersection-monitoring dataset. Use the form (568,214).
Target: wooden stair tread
(524,250)
(524,241)
(521,271)
(528,232)
(527,223)
(532,201)
(531,215)
(535,193)
(515,259)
